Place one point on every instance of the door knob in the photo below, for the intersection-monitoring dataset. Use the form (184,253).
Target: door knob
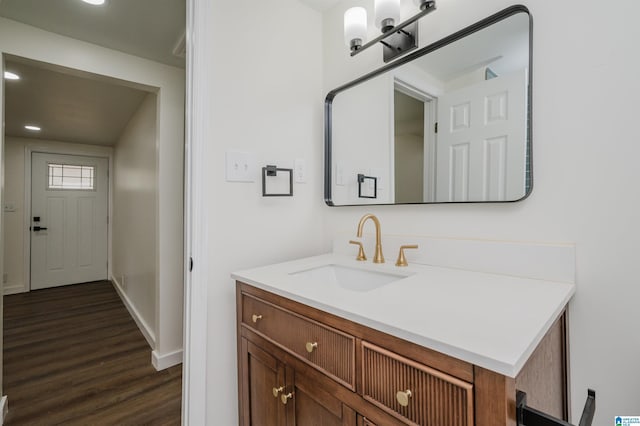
(39,228)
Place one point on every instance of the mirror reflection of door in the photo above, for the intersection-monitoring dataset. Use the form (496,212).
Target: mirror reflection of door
(481,156)
(414,140)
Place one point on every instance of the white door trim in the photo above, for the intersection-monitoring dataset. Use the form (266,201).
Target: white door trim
(430,118)
(86,150)
(194,367)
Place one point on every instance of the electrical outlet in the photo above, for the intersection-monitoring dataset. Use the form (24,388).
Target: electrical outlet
(240,166)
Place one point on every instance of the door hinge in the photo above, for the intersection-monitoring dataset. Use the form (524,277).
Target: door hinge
(435,127)
(190,264)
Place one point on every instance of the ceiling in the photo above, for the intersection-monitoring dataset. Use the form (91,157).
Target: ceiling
(71,106)
(503,46)
(150,29)
(68,106)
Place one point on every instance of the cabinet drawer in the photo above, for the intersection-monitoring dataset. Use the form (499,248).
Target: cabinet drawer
(432,397)
(332,352)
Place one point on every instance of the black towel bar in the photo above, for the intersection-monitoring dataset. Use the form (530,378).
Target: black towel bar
(528,416)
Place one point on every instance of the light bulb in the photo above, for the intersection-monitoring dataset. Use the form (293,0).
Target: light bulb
(11,75)
(355,27)
(387,14)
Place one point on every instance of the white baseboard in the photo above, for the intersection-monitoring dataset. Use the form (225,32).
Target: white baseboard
(160,362)
(142,325)
(4,406)
(8,289)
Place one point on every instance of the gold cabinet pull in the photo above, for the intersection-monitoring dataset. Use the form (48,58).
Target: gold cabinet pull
(311,346)
(403,397)
(286,397)
(276,391)
(255,318)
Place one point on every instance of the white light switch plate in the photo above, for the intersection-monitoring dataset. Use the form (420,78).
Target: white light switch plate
(300,171)
(339,175)
(240,166)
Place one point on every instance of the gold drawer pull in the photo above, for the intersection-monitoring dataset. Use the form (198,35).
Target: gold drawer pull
(311,346)
(255,318)
(276,391)
(284,398)
(403,397)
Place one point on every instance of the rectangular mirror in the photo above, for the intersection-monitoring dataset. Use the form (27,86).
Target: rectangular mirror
(450,122)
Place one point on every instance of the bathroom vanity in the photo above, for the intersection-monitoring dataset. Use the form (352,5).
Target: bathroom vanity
(331,341)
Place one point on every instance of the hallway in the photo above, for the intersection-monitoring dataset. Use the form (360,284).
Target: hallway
(73,355)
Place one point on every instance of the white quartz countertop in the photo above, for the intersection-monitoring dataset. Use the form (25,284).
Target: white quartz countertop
(490,320)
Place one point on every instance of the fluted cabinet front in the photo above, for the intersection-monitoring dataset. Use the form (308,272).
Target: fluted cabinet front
(414,392)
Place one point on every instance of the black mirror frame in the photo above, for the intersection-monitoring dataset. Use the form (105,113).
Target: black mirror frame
(505,13)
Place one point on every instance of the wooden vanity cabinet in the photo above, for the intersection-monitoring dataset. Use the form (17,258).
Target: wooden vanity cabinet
(274,395)
(331,371)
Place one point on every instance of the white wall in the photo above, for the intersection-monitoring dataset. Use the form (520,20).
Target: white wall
(585,154)
(15,223)
(135,187)
(363,117)
(29,42)
(260,93)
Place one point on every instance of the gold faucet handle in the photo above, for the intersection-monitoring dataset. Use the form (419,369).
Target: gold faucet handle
(402,261)
(361,255)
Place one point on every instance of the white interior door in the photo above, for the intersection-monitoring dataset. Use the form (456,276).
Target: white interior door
(68,219)
(481,147)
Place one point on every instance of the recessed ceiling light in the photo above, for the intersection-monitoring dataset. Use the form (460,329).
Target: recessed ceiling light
(95,2)
(11,76)
(32,128)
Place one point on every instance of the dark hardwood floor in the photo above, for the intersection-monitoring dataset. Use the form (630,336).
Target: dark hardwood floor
(74,356)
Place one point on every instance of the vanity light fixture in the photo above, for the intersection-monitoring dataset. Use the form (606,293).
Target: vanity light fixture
(8,75)
(355,27)
(396,39)
(32,128)
(95,2)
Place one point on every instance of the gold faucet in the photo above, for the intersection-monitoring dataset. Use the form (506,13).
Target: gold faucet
(378,257)
(402,261)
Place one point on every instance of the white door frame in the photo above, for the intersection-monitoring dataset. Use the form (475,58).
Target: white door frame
(430,117)
(80,150)
(194,366)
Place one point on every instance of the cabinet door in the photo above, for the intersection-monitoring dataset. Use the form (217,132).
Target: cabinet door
(363,421)
(262,373)
(313,406)
(413,392)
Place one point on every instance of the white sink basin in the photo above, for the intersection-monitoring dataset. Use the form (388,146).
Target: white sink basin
(349,278)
